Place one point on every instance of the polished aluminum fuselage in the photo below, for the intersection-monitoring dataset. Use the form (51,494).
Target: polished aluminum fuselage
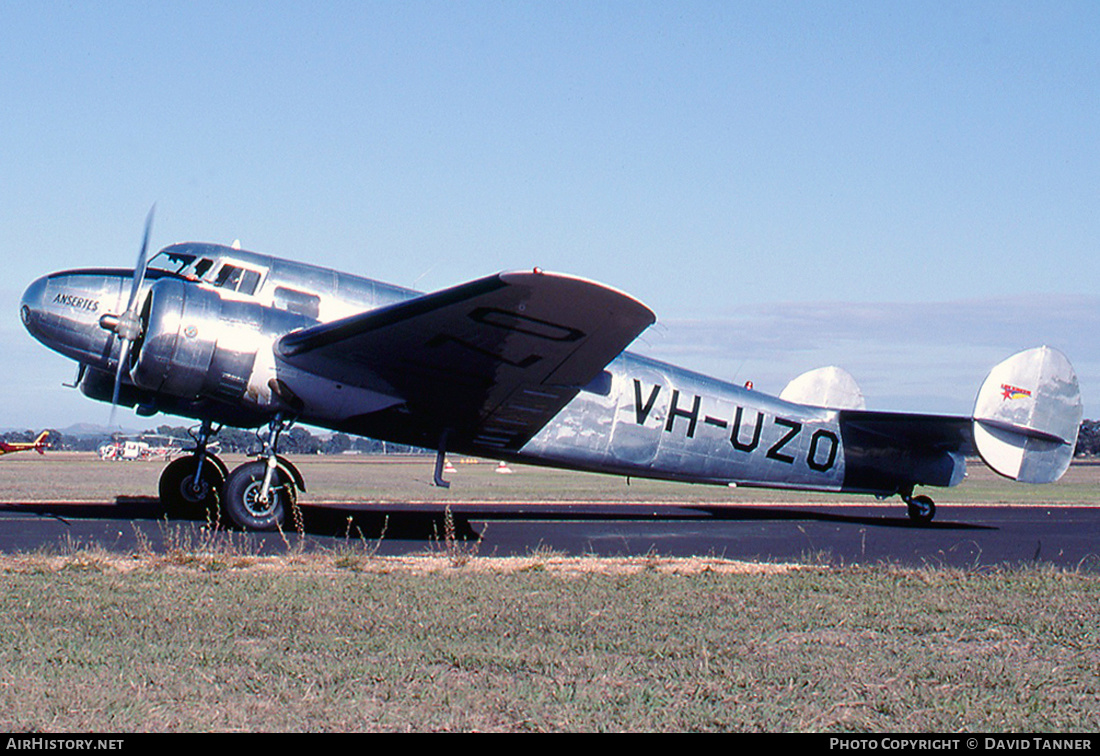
(659,420)
(208,353)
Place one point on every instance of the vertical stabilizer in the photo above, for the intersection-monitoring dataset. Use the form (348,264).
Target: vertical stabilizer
(1027,415)
(830,387)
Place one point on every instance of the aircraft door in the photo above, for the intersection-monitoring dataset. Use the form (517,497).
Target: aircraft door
(639,416)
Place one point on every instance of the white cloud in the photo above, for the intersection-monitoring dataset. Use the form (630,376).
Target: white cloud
(929,356)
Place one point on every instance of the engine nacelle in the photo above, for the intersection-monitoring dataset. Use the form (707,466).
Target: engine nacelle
(194,343)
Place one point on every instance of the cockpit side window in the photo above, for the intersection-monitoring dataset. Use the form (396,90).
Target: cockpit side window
(228,277)
(236,278)
(249,280)
(202,266)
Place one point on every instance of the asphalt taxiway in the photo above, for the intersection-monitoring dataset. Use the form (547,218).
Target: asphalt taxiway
(961,536)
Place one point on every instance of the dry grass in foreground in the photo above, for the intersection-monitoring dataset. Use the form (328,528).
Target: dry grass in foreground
(423,564)
(221,640)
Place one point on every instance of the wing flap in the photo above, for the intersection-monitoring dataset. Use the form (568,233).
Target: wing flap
(910,430)
(488,362)
(887,452)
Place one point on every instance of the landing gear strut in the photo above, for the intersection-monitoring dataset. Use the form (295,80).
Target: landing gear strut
(191,487)
(259,494)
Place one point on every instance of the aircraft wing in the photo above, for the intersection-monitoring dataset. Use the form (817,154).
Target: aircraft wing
(488,362)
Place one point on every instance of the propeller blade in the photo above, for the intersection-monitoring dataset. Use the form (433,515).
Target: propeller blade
(128,325)
(139,269)
(123,357)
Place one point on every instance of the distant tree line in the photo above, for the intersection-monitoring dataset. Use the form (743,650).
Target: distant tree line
(297,440)
(1088,439)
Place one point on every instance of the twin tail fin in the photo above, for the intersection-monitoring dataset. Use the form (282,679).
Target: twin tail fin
(1027,416)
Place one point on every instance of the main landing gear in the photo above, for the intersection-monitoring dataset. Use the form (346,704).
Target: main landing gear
(255,496)
(258,495)
(191,487)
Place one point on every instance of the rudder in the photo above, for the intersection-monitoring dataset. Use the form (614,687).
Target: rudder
(1027,416)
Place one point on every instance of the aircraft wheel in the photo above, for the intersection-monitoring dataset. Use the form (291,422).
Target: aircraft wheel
(242,497)
(184,497)
(921,509)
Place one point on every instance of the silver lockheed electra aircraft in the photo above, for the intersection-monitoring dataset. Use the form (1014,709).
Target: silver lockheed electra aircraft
(522,366)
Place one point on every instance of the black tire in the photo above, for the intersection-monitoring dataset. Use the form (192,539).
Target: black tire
(183,499)
(242,502)
(921,509)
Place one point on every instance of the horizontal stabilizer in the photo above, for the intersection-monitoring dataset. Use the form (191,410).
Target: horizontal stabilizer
(1027,415)
(830,387)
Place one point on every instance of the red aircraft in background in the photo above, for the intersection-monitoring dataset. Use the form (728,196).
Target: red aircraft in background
(39,445)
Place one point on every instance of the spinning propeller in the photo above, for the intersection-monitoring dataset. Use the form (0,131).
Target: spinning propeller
(127,326)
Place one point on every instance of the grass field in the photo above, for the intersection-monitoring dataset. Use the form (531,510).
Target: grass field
(209,637)
(349,644)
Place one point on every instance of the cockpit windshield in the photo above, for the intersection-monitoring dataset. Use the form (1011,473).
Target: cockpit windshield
(189,266)
(216,270)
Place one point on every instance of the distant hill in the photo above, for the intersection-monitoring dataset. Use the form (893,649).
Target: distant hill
(92,429)
(86,429)
(79,430)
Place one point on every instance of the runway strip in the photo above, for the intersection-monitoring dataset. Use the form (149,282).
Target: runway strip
(837,533)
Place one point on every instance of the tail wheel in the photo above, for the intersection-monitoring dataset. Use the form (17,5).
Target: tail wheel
(921,509)
(187,497)
(245,504)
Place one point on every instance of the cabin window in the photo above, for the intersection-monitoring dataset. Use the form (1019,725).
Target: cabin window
(298,302)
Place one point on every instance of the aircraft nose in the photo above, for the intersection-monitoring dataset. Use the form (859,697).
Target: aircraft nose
(32,305)
(63,311)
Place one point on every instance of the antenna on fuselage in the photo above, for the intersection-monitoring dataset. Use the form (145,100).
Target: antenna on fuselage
(414,283)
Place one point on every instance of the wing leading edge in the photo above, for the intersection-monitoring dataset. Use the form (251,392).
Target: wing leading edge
(487,362)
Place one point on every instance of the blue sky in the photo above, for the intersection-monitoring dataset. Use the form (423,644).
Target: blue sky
(909,189)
